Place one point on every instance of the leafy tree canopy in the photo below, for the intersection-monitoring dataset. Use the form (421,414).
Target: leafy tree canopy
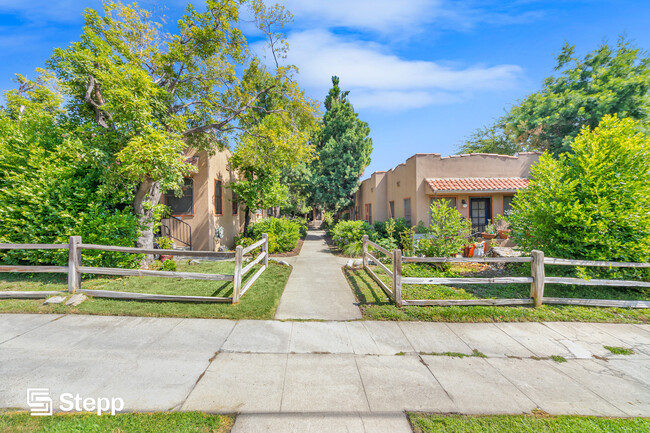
(344,147)
(156,96)
(490,139)
(608,80)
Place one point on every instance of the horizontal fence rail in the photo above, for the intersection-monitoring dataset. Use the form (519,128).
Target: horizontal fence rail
(132,250)
(537,279)
(75,269)
(569,262)
(34,246)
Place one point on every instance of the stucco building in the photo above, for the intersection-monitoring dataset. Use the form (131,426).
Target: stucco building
(479,185)
(207,215)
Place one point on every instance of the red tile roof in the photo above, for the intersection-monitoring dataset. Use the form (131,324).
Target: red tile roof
(478,184)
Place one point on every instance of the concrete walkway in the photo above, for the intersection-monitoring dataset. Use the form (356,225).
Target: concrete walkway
(326,376)
(317,288)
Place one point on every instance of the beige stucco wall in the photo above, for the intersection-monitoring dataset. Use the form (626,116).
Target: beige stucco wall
(204,219)
(408,180)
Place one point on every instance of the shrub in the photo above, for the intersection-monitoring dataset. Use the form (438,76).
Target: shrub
(166,265)
(283,234)
(54,185)
(328,221)
(447,234)
(591,204)
(348,232)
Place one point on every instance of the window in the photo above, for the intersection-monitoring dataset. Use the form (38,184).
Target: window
(183,205)
(235,203)
(451,202)
(218,198)
(391,207)
(407,210)
(369,213)
(507,203)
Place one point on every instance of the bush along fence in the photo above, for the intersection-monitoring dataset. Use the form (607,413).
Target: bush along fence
(537,280)
(75,269)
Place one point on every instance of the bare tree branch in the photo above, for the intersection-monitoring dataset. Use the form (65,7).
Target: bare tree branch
(100,115)
(233,115)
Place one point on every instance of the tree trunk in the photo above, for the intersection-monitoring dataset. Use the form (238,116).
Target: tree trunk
(148,192)
(247,220)
(352,213)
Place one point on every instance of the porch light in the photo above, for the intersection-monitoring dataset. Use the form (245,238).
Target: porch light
(463,202)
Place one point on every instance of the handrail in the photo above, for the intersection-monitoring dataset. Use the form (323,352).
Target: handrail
(177,227)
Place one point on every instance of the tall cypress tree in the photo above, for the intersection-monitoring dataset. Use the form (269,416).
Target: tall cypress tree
(343,148)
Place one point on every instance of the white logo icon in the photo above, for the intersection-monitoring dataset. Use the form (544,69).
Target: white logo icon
(39,401)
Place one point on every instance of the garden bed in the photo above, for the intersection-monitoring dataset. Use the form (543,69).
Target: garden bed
(293,252)
(375,305)
(260,301)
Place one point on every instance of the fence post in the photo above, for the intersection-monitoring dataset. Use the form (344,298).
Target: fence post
(538,274)
(236,283)
(364,257)
(74,263)
(397,277)
(265,249)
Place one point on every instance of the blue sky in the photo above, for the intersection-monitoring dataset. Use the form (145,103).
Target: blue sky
(423,73)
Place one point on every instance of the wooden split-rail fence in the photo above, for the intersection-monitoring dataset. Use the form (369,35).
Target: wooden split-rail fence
(75,269)
(537,279)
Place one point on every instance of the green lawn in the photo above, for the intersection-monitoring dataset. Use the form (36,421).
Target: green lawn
(375,305)
(175,422)
(259,302)
(423,423)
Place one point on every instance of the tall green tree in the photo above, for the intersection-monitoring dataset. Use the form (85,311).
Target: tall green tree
(276,141)
(591,203)
(609,80)
(490,139)
(155,96)
(343,146)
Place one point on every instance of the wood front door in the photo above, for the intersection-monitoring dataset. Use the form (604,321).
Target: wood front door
(480,212)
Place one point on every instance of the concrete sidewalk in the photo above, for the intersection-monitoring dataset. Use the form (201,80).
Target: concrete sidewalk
(326,376)
(316,288)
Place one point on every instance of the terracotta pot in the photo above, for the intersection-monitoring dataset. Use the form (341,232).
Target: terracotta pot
(488,235)
(164,258)
(503,234)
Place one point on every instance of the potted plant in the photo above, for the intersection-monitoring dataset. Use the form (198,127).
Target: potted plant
(490,231)
(502,227)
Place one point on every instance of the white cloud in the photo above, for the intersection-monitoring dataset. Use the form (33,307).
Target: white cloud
(405,16)
(385,81)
